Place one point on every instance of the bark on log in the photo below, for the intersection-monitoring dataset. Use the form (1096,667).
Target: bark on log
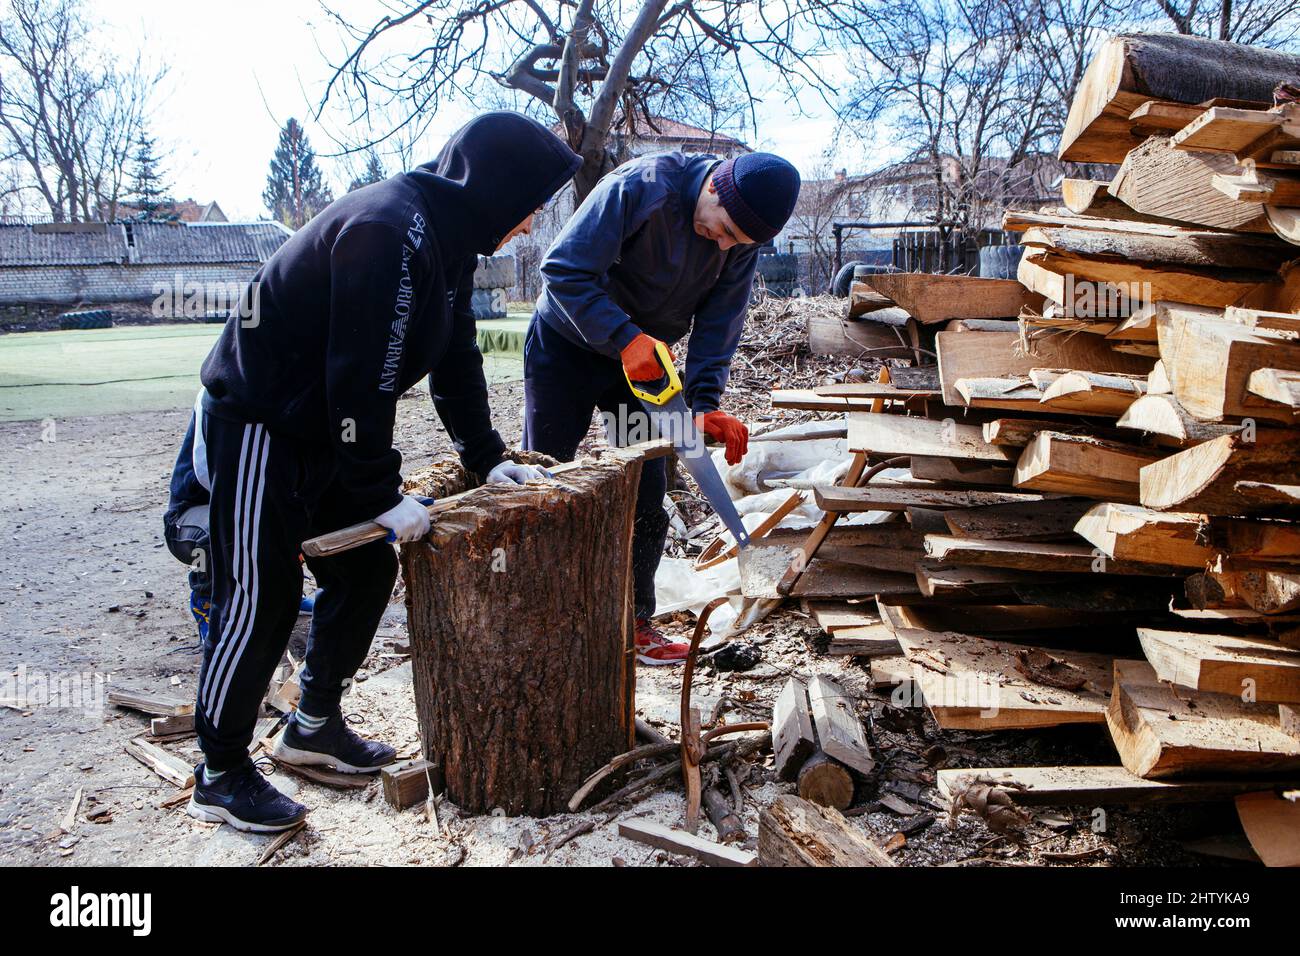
(523,675)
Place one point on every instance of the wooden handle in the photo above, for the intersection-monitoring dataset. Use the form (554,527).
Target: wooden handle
(345,539)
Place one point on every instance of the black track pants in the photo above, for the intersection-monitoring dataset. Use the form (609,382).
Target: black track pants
(268,495)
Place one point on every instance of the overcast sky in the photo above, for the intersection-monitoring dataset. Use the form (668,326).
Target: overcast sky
(239,68)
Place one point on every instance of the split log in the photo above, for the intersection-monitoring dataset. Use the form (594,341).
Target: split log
(1165,416)
(1131,70)
(1208,478)
(483,595)
(1161,731)
(1210,362)
(1089,786)
(1159,180)
(794,832)
(1132,533)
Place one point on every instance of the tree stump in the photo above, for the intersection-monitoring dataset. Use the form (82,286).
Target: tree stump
(520,615)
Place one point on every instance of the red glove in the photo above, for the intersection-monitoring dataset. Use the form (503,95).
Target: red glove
(640,361)
(722,427)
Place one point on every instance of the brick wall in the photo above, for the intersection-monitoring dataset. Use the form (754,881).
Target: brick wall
(72,286)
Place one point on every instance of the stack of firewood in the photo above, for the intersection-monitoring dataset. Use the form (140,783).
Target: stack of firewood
(1084,507)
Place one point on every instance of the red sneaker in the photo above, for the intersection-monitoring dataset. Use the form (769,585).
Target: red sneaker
(654,649)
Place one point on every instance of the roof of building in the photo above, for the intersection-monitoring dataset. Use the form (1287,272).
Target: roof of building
(141,243)
(661,129)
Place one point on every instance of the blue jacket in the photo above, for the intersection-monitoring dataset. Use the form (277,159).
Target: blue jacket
(630,261)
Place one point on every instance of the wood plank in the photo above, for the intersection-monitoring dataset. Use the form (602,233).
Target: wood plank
(166,765)
(1035,556)
(1223,664)
(1253,540)
(1002,354)
(854,338)
(971,683)
(869,498)
(685,844)
(1241,133)
(1276,385)
(957,471)
(1134,533)
(839,730)
(1094,287)
(1171,245)
(832,616)
(156,705)
(1079,465)
(1088,786)
(872,640)
(1206,478)
(793,740)
(1162,732)
(797,832)
(1049,520)
(406,783)
(899,435)
(1272,825)
(933,298)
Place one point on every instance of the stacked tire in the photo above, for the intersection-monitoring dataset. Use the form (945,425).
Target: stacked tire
(89,319)
(777,274)
(1000,262)
(493,277)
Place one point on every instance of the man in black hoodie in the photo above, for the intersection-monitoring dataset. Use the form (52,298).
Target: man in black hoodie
(301,393)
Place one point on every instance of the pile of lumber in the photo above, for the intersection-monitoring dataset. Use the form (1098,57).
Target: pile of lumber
(1086,510)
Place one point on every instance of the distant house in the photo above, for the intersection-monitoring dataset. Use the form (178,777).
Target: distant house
(181,210)
(639,136)
(96,263)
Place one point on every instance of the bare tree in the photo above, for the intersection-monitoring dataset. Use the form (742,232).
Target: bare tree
(68,115)
(586,62)
(1271,23)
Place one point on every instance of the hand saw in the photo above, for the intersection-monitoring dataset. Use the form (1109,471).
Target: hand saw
(673,421)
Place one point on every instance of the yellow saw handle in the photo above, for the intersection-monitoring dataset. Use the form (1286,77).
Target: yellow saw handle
(673,386)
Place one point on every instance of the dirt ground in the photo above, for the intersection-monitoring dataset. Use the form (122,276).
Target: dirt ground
(87,588)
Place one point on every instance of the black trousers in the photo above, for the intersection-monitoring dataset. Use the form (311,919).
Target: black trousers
(563,385)
(268,495)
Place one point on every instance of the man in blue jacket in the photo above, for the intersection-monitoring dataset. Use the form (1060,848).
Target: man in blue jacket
(359,305)
(664,247)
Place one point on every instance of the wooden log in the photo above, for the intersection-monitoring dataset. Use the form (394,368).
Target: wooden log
(1089,786)
(723,816)
(795,832)
(933,298)
(1206,478)
(1162,732)
(1155,243)
(825,781)
(684,844)
(406,782)
(1224,664)
(1078,465)
(1130,70)
(1159,180)
(482,595)
(1210,361)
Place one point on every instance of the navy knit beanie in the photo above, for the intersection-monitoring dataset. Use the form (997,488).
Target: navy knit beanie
(759,191)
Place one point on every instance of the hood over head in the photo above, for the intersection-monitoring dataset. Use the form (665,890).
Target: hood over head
(494,171)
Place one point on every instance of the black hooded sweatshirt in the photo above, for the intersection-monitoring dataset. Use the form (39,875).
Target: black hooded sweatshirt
(374,294)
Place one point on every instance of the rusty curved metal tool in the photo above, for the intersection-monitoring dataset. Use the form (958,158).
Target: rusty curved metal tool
(692,746)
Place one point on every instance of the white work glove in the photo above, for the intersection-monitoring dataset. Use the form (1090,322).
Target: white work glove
(508,473)
(408,519)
